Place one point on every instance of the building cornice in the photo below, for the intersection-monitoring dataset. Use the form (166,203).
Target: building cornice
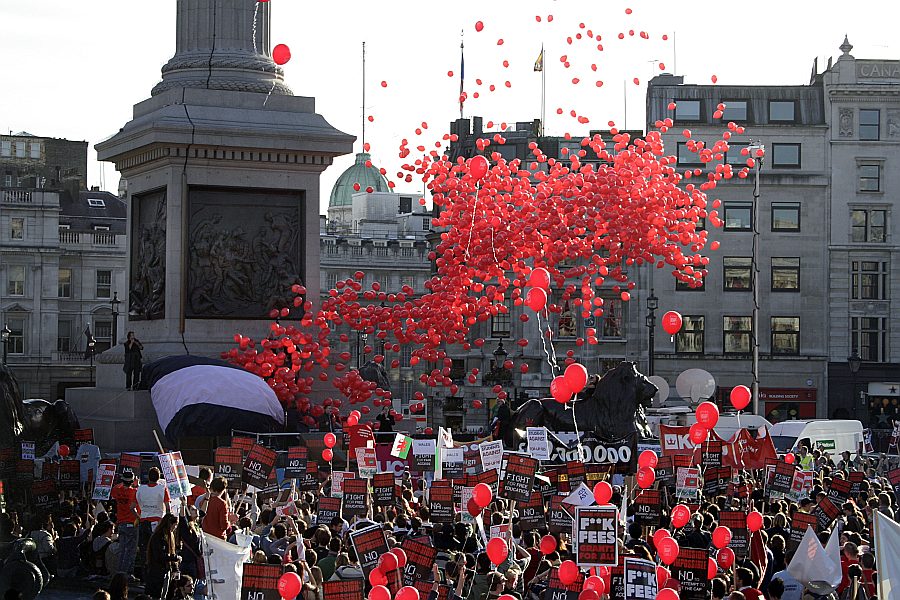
(229,155)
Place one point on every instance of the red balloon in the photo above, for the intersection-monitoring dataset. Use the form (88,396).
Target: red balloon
(645,477)
(330,440)
(725,558)
(667,594)
(482,494)
(506,597)
(740,397)
(353,420)
(662,576)
(754,521)
(327,455)
(588,595)
(707,414)
(388,562)
(473,507)
(289,585)
(568,572)
(379,592)
(721,536)
(559,389)
(789,458)
(602,492)
(536,299)
(648,459)
(576,376)
(681,514)
(497,550)
(595,583)
(548,544)
(479,26)
(659,535)
(281,54)
(671,322)
(377,579)
(539,278)
(407,593)
(698,433)
(668,550)
(63,450)
(478,166)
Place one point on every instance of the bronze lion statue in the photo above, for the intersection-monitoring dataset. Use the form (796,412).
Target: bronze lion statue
(611,407)
(34,420)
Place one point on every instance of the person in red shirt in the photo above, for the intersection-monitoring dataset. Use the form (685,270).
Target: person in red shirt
(202,488)
(849,556)
(746,585)
(125,495)
(218,512)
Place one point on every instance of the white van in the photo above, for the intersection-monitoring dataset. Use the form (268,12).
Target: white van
(832,436)
(729,424)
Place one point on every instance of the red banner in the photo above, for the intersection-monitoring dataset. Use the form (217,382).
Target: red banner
(741,451)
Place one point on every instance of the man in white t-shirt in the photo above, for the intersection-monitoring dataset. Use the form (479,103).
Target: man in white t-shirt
(793,589)
(153,503)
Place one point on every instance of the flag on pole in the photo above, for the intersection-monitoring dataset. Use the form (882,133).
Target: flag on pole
(401,446)
(462,77)
(887,548)
(539,63)
(814,566)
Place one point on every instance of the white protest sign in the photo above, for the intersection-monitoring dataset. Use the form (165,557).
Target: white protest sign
(581,496)
(538,444)
(464,496)
(491,455)
(106,475)
(337,482)
(27,450)
(167,464)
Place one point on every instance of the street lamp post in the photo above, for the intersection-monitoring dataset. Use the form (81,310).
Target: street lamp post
(756,152)
(4,336)
(854,362)
(652,305)
(500,355)
(91,346)
(114,305)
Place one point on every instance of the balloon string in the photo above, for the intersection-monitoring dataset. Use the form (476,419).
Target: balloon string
(272,89)
(552,348)
(255,13)
(551,360)
(493,249)
(472,226)
(575,422)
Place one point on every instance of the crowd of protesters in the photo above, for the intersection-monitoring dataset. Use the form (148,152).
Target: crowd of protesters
(133,541)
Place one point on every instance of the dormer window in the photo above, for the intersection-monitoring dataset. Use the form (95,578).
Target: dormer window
(96,203)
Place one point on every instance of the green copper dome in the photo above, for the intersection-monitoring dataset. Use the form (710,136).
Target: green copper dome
(366,177)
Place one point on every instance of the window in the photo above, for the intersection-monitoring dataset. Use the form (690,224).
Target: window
(737,273)
(869,177)
(500,322)
(785,335)
(868,337)
(405,204)
(735,110)
(6,148)
(786,155)
(785,274)
(738,216)
(35,150)
(785,217)
(405,355)
(738,331)
(734,156)
(612,322)
(17,228)
(426,224)
(686,157)
(687,110)
(869,124)
(104,285)
(356,251)
(16,283)
(690,339)
(64,283)
(332,279)
(103,334)
(20,149)
(782,111)
(567,327)
(867,225)
(96,203)
(692,285)
(407,280)
(406,393)
(7,180)
(64,336)
(869,280)
(16,326)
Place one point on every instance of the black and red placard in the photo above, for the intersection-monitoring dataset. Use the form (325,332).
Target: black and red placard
(736,521)
(517,473)
(596,536)
(260,462)
(295,468)
(800,522)
(839,491)
(440,498)
(647,507)
(690,569)
(384,489)
(783,478)
(348,589)
(370,543)
(356,497)
(420,557)
(260,582)
(557,590)
(531,513)
(328,508)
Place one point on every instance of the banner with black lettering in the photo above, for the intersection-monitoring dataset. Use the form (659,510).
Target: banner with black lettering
(419,560)
(384,489)
(783,478)
(557,590)
(517,476)
(440,498)
(647,507)
(260,582)
(296,462)
(558,519)
(736,521)
(596,536)
(356,498)
(260,462)
(370,543)
(531,513)
(348,589)
(640,579)
(690,570)
(328,508)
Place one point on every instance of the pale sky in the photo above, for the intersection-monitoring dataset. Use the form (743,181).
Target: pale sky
(74,68)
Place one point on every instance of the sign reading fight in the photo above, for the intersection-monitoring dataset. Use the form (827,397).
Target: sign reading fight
(384,489)
(329,508)
(356,497)
(296,462)
(596,536)
(783,478)
(260,582)
(517,477)
(370,543)
(690,569)
(260,462)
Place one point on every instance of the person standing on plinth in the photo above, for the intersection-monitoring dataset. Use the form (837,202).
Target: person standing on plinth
(132,366)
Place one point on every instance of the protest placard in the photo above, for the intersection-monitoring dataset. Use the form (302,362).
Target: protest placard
(27,450)
(538,443)
(783,478)
(596,536)
(297,458)
(310,481)
(44,494)
(531,513)
(168,471)
(465,495)
(558,518)
(690,570)
(711,454)
(366,462)
(348,589)
(384,489)
(800,522)
(488,478)
(501,531)
(370,543)
(687,483)
(557,590)
(130,462)
(441,501)
(453,464)
(420,557)
(665,471)
(517,477)
(260,582)
(472,461)
(423,455)
(181,473)
(83,436)
(640,579)
(855,478)
(839,491)
(356,497)
(826,512)
(329,507)
(69,475)
(617,580)
(260,462)
(25,471)
(647,507)
(243,442)
(104,481)
(894,478)
(229,463)
(337,482)
(576,473)
(401,446)
(715,481)
(736,521)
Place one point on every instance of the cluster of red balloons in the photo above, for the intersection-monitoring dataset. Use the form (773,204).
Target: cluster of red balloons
(707,415)
(572,381)
(387,562)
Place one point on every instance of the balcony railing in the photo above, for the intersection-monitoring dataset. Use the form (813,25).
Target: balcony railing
(17,196)
(97,238)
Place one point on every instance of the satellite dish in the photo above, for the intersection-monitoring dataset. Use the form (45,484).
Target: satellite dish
(663,386)
(696,384)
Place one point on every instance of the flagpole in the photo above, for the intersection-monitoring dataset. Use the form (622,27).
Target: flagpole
(462,66)
(543,93)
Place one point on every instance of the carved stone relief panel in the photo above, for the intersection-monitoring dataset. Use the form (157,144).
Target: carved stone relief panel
(245,250)
(846,122)
(147,288)
(893,123)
